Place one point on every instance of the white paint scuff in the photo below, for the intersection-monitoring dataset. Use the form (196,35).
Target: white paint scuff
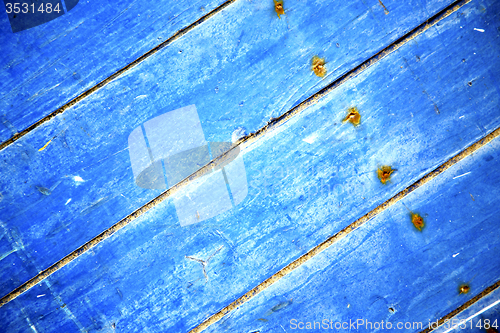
(78,179)
(462,175)
(311,138)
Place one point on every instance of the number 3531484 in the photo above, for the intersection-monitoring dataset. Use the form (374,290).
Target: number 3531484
(29,14)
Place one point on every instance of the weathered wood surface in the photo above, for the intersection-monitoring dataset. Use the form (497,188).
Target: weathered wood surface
(389,271)
(46,66)
(140,278)
(249,69)
(475,317)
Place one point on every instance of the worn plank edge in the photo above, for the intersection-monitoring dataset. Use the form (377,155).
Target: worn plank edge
(464,306)
(178,34)
(347,230)
(315,98)
(248,140)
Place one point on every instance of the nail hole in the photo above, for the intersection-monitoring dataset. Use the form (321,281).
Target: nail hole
(464,289)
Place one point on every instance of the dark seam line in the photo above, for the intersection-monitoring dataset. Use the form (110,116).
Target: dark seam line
(251,138)
(464,306)
(344,232)
(314,99)
(118,73)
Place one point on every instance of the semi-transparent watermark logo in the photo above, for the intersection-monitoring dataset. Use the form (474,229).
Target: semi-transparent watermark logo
(26,14)
(172,146)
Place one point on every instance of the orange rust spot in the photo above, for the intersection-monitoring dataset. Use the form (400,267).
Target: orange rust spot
(353,116)
(384,173)
(417,221)
(278,7)
(318,66)
(463,289)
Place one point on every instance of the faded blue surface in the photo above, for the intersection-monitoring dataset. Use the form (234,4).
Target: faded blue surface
(26,15)
(248,78)
(44,67)
(387,264)
(474,318)
(308,180)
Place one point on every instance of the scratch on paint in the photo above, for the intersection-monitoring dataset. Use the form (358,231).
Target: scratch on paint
(385,9)
(204,263)
(280,306)
(31,325)
(462,175)
(95,205)
(46,145)
(6,254)
(43,190)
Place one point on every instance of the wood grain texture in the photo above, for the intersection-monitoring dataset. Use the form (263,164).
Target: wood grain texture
(473,317)
(46,66)
(387,270)
(242,77)
(140,278)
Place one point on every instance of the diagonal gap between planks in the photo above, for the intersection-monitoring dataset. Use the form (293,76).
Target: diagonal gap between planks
(178,34)
(347,230)
(464,306)
(242,142)
(251,138)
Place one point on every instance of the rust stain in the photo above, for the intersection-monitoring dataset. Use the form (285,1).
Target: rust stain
(353,116)
(384,173)
(278,7)
(463,289)
(417,221)
(318,66)
(385,9)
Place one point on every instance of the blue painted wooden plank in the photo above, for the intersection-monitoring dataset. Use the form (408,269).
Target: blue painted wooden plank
(50,314)
(32,89)
(48,65)
(285,212)
(389,271)
(486,311)
(78,178)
